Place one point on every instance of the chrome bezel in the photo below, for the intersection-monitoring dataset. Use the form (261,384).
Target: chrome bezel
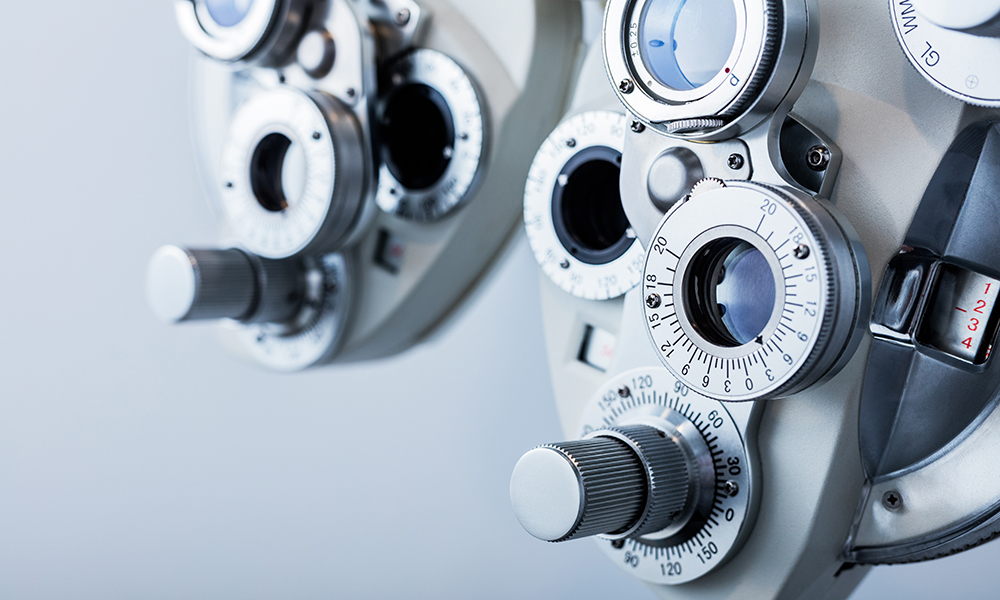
(458,184)
(227,44)
(317,333)
(333,197)
(581,279)
(765,71)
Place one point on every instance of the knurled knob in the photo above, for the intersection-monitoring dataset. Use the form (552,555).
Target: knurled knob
(620,482)
(185,284)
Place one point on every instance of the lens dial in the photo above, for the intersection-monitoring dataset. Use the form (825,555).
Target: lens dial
(292,174)
(753,292)
(573,211)
(706,69)
(954,45)
(718,512)
(234,31)
(432,130)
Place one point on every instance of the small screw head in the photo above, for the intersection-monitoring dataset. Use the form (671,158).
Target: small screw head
(571,143)
(403,17)
(638,127)
(626,86)
(731,488)
(892,500)
(736,162)
(624,392)
(564,264)
(351,92)
(317,135)
(818,158)
(618,544)
(653,301)
(801,252)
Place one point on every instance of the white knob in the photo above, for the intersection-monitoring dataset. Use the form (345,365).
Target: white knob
(979,17)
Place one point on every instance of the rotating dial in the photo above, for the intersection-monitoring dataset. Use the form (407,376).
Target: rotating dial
(752,292)
(293,174)
(573,211)
(433,136)
(232,31)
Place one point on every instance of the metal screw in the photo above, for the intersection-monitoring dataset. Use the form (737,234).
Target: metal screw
(736,162)
(731,488)
(801,252)
(229,184)
(638,127)
(351,92)
(624,392)
(618,544)
(818,158)
(626,86)
(317,135)
(571,143)
(564,264)
(892,500)
(653,301)
(403,17)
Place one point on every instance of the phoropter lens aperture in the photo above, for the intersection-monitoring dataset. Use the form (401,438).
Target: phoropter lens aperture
(277,172)
(418,136)
(228,13)
(730,292)
(686,43)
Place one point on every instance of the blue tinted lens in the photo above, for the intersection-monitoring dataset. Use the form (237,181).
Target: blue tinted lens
(685,43)
(746,293)
(228,13)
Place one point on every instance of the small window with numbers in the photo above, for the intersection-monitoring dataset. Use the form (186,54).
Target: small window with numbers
(960,318)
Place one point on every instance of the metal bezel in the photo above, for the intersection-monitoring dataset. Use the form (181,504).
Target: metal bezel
(767,69)
(458,184)
(230,44)
(655,397)
(333,197)
(581,279)
(317,332)
(813,332)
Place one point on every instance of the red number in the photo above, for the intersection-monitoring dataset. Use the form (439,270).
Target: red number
(980,305)
(988,288)
(968,343)
(975,324)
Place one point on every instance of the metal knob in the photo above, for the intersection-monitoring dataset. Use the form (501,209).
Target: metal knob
(619,482)
(977,18)
(190,285)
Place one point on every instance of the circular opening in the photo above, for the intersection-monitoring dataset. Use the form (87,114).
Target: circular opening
(277,172)
(685,43)
(730,292)
(587,207)
(418,136)
(228,13)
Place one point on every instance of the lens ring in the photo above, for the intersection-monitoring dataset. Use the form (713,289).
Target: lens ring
(230,34)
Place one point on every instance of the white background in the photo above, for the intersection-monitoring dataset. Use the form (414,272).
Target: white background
(142,461)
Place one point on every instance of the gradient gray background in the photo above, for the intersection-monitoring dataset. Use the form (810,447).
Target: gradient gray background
(142,461)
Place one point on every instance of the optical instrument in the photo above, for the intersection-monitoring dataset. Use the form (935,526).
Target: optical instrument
(370,150)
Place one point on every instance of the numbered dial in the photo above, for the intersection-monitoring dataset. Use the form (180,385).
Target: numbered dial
(718,518)
(953,45)
(315,334)
(710,69)
(433,135)
(573,211)
(751,292)
(293,174)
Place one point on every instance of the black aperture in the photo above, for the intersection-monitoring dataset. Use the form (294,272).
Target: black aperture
(587,207)
(418,135)
(266,168)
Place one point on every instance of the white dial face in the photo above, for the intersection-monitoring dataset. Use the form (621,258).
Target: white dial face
(719,523)
(735,292)
(278,216)
(960,64)
(425,77)
(602,134)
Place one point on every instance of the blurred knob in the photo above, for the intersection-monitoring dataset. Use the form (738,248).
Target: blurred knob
(978,18)
(189,285)
(620,482)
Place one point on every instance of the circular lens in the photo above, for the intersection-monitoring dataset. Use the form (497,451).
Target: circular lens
(730,292)
(685,43)
(228,13)
(418,136)
(278,172)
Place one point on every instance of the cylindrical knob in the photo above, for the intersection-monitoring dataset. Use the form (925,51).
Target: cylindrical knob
(188,285)
(623,482)
(977,18)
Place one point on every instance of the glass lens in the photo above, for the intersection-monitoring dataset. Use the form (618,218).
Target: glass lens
(228,13)
(746,293)
(685,43)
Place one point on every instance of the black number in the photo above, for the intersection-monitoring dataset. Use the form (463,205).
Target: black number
(730,514)
(680,388)
(788,359)
(686,369)
(632,559)
(670,569)
(749,384)
(803,337)
(716,420)
(729,386)
(770,377)
(734,466)
(705,381)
